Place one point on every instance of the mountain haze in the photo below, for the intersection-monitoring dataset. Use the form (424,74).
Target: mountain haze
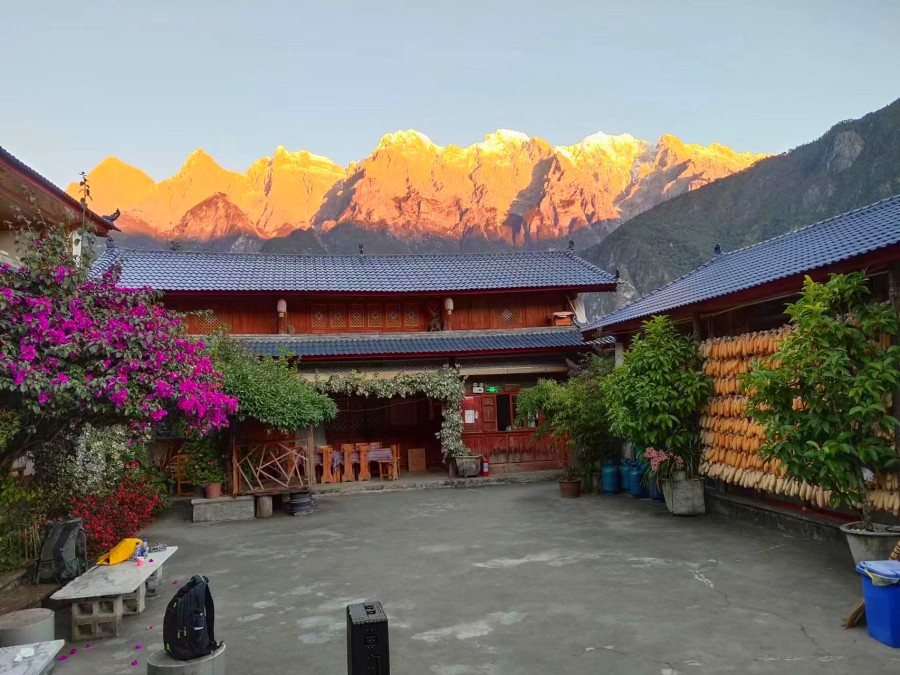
(411,194)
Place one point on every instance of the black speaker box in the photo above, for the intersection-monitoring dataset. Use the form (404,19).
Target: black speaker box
(368,651)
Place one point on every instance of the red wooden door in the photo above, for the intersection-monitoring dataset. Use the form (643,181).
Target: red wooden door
(488,413)
(471,411)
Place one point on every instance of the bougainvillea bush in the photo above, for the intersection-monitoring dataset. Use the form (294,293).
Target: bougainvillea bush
(118,511)
(77,348)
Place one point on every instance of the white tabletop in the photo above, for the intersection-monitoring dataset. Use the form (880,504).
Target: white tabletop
(44,653)
(119,579)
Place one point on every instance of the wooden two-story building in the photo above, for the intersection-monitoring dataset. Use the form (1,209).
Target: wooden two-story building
(502,319)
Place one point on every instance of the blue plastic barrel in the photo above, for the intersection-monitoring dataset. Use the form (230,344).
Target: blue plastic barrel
(609,479)
(625,475)
(654,491)
(881,591)
(636,484)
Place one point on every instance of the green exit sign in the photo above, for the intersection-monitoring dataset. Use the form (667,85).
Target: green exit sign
(492,390)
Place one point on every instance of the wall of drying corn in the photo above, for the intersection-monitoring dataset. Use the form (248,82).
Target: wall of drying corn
(731,440)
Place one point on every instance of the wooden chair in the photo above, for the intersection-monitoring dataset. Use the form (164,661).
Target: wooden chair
(347,468)
(390,468)
(327,473)
(363,450)
(178,469)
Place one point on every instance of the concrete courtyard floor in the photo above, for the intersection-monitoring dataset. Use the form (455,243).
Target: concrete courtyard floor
(511,579)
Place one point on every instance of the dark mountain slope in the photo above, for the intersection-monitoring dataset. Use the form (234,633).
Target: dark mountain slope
(855,163)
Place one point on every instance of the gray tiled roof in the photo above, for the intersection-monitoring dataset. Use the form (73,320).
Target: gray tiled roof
(437,343)
(196,271)
(863,230)
(60,194)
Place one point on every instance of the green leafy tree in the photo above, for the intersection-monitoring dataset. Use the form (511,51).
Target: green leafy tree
(573,414)
(270,389)
(655,396)
(823,397)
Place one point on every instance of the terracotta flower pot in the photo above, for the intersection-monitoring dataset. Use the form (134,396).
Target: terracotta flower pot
(570,488)
(213,491)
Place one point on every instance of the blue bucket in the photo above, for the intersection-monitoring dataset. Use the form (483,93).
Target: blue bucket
(881,591)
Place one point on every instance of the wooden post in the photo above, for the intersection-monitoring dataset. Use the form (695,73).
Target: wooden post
(234,465)
(698,328)
(894,295)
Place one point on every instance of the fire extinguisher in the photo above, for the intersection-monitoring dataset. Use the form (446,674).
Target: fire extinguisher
(485,466)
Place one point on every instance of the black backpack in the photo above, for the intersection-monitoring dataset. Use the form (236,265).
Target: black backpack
(63,554)
(188,622)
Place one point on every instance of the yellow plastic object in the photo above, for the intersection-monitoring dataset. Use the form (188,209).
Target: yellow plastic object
(119,553)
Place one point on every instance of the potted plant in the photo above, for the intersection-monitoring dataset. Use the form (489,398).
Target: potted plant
(574,417)
(204,467)
(822,400)
(570,483)
(654,398)
(466,465)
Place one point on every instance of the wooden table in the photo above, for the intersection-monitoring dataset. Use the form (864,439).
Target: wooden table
(41,662)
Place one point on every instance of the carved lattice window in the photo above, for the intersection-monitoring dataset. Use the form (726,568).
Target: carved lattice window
(357,315)
(507,316)
(392,317)
(337,316)
(319,317)
(374,319)
(411,314)
(209,322)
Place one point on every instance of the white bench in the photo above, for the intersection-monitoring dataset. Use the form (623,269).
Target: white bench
(103,594)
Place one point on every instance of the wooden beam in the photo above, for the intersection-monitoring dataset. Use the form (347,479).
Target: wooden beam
(894,295)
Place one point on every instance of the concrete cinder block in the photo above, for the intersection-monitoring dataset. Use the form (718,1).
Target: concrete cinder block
(97,618)
(223,508)
(134,603)
(153,582)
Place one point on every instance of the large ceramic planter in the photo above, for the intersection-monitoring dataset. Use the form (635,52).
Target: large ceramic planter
(213,491)
(467,465)
(684,497)
(570,488)
(875,545)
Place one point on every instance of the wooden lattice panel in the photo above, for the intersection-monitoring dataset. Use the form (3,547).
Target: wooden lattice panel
(392,316)
(319,317)
(337,316)
(411,315)
(507,316)
(357,316)
(209,322)
(374,316)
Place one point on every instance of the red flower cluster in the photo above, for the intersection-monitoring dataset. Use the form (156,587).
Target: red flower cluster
(118,513)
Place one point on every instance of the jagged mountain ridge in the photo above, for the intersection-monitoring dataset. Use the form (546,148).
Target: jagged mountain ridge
(508,190)
(856,162)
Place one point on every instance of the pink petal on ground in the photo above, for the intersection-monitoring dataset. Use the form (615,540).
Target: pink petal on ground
(73,651)
(151,560)
(139,646)
(174,582)
(63,657)
(88,645)
(134,663)
(149,627)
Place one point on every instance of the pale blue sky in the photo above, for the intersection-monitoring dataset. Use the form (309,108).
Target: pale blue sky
(151,81)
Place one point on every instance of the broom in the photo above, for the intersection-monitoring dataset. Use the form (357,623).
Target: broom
(859,608)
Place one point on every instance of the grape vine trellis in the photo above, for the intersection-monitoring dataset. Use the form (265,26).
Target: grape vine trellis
(445,385)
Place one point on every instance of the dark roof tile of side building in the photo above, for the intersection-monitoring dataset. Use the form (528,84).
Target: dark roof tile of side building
(405,344)
(53,189)
(414,273)
(858,232)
